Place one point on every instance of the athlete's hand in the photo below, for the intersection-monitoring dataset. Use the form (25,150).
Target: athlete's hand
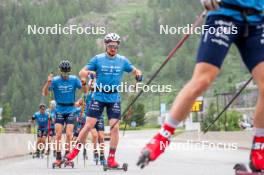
(50,76)
(92,75)
(83,80)
(210,4)
(139,76)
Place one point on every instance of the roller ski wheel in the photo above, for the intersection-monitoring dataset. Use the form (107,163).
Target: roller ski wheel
(241,169)
(144,159)
(69,163)
(124,167)
(56,164)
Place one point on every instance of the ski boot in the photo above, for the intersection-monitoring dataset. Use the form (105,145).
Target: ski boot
(257,155)
(155,147)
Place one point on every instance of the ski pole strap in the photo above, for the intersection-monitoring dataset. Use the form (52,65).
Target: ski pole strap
(245,12)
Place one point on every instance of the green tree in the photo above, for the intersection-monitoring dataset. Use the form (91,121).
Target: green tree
(7,114)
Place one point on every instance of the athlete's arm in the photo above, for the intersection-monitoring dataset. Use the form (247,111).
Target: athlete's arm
(210,4)
(138,74)
(45,89)
(84,73)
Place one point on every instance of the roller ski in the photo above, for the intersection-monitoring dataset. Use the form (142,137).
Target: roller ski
(113,165)
(153,149)
(256,159)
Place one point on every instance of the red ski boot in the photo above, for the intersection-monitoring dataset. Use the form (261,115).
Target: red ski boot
(156,146)
(257,155)
(75,151)
(111,163)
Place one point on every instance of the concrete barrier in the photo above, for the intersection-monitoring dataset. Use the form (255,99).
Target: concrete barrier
(13,145)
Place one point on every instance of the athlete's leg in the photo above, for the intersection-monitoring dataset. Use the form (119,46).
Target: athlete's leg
(252,51)
(257,153)
(69,134)
(211,54)
(101,142)
(94,138)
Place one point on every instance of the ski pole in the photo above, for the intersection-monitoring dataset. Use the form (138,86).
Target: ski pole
(227,106)
(49,123)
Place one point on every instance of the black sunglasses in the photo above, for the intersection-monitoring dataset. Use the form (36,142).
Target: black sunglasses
(112,46)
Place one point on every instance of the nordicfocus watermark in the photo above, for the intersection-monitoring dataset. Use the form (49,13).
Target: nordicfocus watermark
(189,29)
(188,145)
(125,87)
(59,29)
(199,146)
(71,145)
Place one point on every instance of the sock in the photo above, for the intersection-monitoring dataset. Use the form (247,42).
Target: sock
(112,152)
(58,157)
(259,132)
(172,122)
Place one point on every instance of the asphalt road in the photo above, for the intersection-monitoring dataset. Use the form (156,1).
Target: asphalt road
(192,160)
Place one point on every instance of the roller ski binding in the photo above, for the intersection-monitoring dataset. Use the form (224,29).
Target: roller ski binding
(113,165)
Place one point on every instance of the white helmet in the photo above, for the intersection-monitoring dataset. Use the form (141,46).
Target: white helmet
(112,37)
(53,103)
